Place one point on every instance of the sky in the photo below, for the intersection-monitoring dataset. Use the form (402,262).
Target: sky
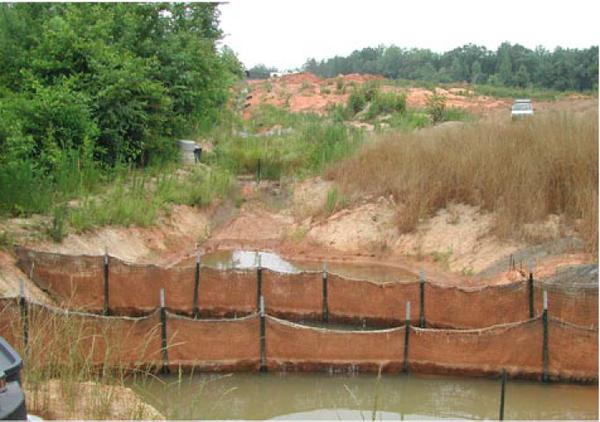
(283,33)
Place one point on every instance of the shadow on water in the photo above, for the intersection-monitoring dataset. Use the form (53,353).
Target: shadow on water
(323,396)
(244,260)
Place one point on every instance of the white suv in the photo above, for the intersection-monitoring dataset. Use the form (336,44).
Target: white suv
(521,108)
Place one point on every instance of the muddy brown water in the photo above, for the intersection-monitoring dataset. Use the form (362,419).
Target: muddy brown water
(333,397)
(245,260)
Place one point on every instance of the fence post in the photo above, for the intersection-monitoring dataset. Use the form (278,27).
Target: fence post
(545,377)
(325,302)
(163,332)
(258,171)
(422,294)
(502,394)
(195,309)
(530,291)
(263,337)
(24,315)
(258,282)
(406,336)
(106,306)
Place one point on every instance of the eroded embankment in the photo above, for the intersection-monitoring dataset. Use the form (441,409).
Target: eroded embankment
(164,340)
(86,283)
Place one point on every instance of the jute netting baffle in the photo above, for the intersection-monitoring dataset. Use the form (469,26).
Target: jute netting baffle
(197,317)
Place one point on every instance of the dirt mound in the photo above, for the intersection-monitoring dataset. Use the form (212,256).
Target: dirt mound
(310,197)
(300,78)
(458,238)
(360,78)
(306,92)
(455,97)
(368,227)
(175,236)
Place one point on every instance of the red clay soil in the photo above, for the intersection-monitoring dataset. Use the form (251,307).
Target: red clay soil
(306,92)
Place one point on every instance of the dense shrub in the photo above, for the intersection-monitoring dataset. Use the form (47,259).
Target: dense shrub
(101,84)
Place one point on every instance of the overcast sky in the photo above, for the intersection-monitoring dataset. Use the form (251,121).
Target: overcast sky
(285,33)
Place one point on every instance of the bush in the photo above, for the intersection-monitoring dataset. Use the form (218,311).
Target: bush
(356,101)
(436,107)
(387,103)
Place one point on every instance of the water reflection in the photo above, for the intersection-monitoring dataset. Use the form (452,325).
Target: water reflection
(321,396)
(244,260)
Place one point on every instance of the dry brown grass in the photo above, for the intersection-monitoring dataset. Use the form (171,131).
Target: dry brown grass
(523,171)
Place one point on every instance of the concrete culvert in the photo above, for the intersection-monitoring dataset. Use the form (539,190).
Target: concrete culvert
(186,149)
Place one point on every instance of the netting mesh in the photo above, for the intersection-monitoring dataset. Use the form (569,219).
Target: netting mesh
(78,282)
(57,336)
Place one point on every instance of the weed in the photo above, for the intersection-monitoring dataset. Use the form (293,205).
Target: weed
(335,201)
(299,233)
(56,231)
(442,257)
(522,171)
(436,107)
(305,86)
(81,374)
(7,240)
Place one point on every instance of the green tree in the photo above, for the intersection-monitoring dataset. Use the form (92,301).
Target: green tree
(522,77)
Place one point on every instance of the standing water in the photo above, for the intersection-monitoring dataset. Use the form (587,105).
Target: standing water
(362,397)
(244,260)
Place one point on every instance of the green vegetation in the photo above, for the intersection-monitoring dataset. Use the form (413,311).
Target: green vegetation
(436,107)
(260,71)
(510,65)
(137,198)
(87,87)
(369,103)
(335,201)
(308,143)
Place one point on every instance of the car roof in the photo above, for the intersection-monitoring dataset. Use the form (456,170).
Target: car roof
(522,100)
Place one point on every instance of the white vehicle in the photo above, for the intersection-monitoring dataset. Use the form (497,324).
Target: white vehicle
(521,108)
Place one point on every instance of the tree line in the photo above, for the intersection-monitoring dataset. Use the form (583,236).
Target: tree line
(118,81)
(510,65)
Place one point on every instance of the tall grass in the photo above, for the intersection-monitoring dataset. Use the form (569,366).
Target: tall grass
(312,143)
(138,198)
(25,188)
(75,366)
(523,171)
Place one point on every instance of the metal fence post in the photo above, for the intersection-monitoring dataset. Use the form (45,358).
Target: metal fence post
(406,336)
(422,295)
(530,288)
(325,302)
(530,291)
(545,377)
(263,337)
(163,332)
(502,394)
(24,315)
(195,308)
(106,271)
(258,283)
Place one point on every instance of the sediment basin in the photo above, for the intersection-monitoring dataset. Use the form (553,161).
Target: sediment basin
(333,397)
